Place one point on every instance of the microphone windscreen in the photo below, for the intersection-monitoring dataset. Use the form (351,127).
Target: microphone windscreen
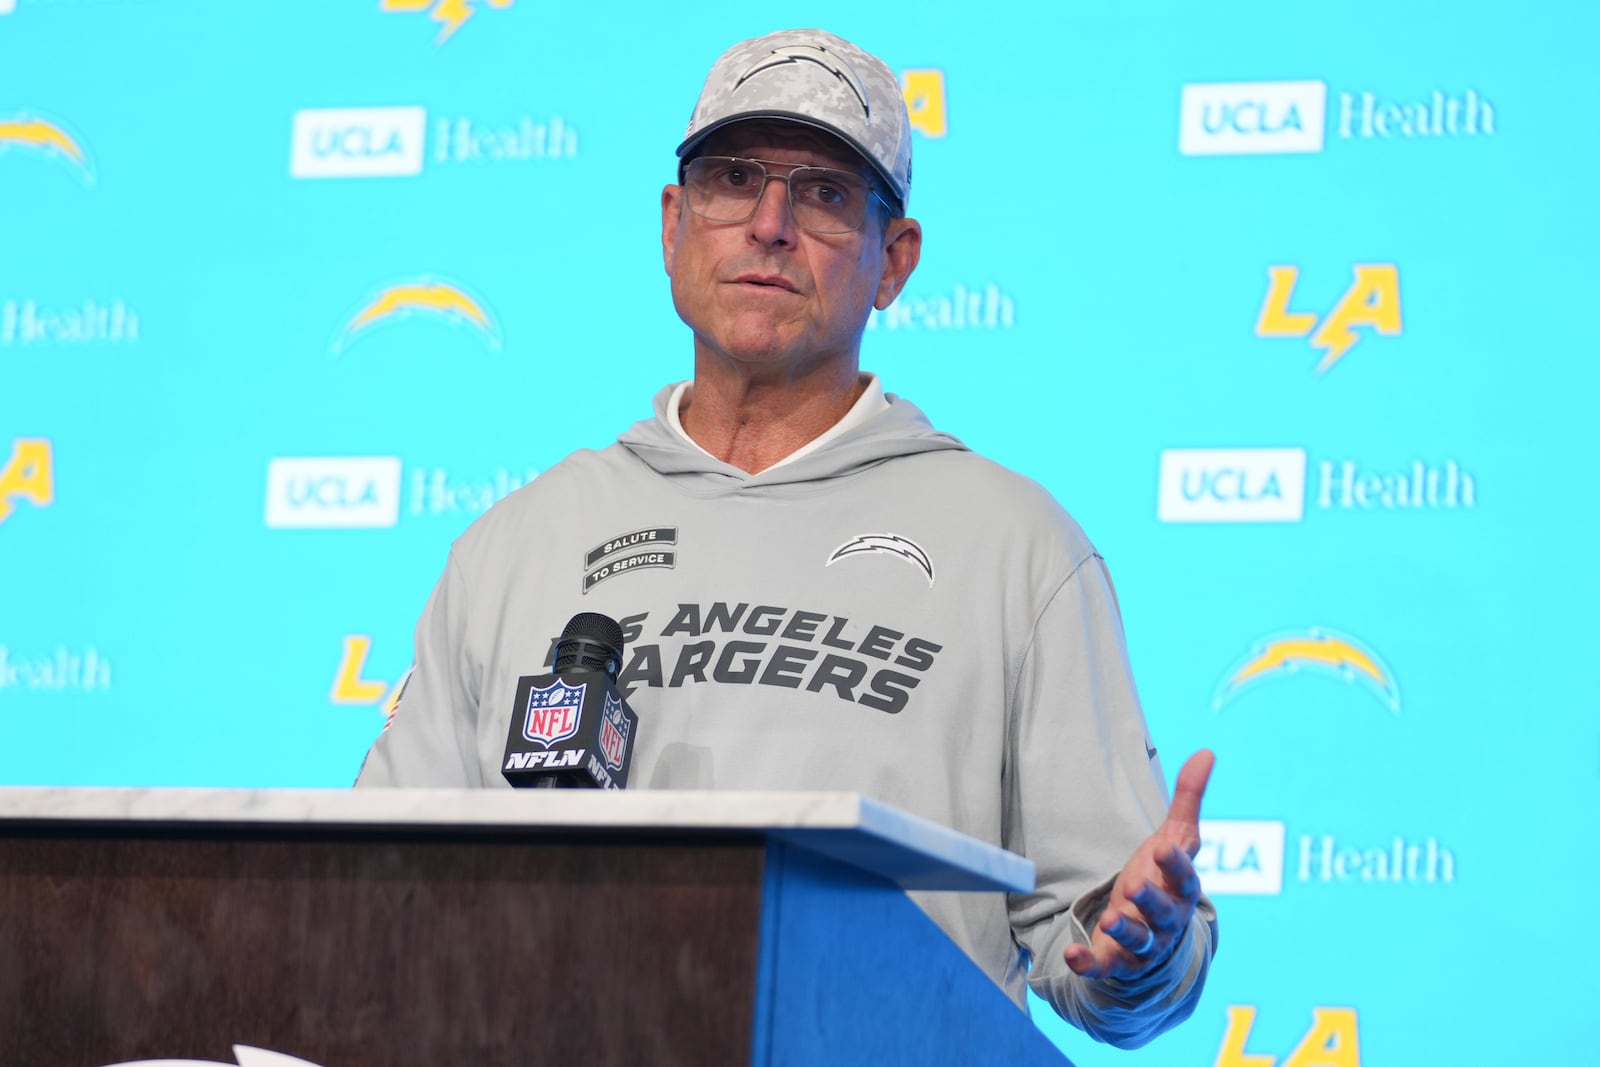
(591,642)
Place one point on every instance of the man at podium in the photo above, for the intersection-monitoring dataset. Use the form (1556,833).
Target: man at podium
(821,591)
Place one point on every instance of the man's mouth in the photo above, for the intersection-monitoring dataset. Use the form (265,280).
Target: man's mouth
(770,281)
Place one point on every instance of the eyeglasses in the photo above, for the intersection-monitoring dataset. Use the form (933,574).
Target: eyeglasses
(821,200)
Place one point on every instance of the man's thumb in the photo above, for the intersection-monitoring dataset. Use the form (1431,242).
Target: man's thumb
(1184,815)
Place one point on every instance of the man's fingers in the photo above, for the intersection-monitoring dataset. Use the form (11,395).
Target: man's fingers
(1092,961)
(1082,961)
(1120,943)
(1183,818)
(1159,883)
(1105,953)
(1137,937)
(1160,910)
(1183,881)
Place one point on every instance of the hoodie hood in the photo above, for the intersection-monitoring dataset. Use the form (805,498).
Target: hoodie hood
(900,430)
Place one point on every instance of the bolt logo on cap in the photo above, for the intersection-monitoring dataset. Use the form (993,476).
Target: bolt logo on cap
(816,79)
(812,53)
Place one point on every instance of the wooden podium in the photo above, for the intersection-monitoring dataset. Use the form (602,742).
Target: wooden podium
(435,928)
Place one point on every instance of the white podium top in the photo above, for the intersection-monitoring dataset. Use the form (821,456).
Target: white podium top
(848,827)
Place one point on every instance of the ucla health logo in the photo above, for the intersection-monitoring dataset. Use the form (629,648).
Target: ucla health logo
(348,491)
(438,492)
(1285,117)
(962,307)
(1280,484)
(60,670)
(451,15)
(463,140)
(1240,856)
(369,492)
(34,135)
(357,142)
(93,322)
(1346,485)
(424,296)
(1371,304)
(1315,650)
(392,142)
(1247,857)
(1232,485)
(1326,860)
(1249,118)
(1367,116)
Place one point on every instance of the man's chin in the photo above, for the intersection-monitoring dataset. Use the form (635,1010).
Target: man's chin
(762,345)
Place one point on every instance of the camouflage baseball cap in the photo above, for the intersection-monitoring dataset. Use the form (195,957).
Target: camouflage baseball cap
(814,78)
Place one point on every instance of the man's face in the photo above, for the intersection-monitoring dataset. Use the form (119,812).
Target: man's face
(764,293)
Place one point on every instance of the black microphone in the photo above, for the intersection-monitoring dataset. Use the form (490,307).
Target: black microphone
(571,729)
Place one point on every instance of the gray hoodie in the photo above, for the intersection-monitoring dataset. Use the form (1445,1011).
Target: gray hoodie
(890,614)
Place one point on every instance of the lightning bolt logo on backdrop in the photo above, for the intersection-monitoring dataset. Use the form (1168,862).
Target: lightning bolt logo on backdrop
(44,137)
(429,295)
(451,15)
(892,544)
(1315,649)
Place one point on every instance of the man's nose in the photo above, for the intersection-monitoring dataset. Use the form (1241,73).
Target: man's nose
(773,220)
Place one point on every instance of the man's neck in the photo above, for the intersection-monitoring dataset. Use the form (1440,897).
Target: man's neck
(752,422)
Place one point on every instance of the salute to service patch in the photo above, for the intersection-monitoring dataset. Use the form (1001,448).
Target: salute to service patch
(641,550)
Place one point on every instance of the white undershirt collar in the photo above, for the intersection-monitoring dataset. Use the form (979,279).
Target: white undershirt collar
(871,402)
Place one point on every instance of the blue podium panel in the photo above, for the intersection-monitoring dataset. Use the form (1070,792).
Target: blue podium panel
(852,972)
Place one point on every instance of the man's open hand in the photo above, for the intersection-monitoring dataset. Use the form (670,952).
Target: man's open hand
(1154,897)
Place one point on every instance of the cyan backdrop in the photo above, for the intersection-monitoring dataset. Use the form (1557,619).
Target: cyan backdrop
(1291,306)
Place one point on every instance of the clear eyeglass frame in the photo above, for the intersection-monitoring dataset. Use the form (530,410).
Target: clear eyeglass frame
(809,216)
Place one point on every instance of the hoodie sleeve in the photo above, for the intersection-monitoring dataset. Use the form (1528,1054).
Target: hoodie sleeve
(430,738)
(1083,790)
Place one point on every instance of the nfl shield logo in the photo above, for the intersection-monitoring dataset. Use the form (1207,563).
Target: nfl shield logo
(553,712)
(613,732)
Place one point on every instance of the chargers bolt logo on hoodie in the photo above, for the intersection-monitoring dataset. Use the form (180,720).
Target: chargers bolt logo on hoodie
(893,544)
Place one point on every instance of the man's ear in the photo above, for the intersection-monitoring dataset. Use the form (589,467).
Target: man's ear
(671,212)
(902,248)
